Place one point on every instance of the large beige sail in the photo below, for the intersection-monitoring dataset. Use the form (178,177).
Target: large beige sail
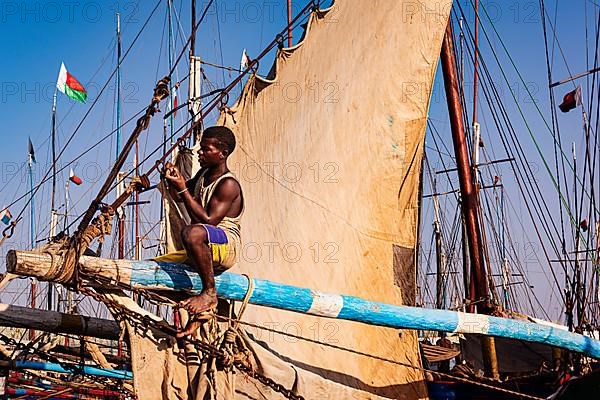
(329,157)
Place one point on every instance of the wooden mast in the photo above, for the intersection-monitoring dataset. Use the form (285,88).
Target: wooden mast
(33,283)
(53,213)
(468,192)
(289,20)
(120,210)
(467,189)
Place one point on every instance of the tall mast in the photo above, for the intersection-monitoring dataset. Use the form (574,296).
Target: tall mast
(467,281)
(53,214)
(52,205)
(504,258)
(69,306)
(467,189)
(170,57)
(136,225)
(441,263)
(121,210)
(163,223)
(475,65)
(193,32)
(33,288)
(194,86)
(118,85)
(468,197)
(440,255)
(289,15)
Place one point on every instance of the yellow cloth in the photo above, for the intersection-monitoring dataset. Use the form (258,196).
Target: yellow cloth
(179,256)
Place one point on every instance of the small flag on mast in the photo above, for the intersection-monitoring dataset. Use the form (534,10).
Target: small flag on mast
(74,178)
(70,86)
(5,216)
(30,150)
(175,100)
(245,61)
(571,100)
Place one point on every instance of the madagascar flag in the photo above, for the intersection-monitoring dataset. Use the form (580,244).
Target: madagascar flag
(70,86)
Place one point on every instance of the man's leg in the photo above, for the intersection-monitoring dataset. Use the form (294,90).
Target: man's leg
(195,241)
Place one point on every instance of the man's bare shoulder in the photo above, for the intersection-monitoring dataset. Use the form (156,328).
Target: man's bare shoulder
(228,187)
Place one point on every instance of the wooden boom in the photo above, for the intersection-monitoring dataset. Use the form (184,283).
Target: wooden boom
(56,322)
(171,276)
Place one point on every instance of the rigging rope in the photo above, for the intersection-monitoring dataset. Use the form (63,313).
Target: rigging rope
(89,110)
(534,192)
(529,130)
(214,351)
(375,357)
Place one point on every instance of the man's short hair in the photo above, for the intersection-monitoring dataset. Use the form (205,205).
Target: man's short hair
(223,135)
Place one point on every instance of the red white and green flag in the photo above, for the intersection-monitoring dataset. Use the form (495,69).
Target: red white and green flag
(70,86)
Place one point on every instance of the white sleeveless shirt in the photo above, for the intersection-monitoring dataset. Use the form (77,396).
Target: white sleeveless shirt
(230,225)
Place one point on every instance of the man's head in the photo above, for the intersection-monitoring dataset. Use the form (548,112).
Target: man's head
(217,143)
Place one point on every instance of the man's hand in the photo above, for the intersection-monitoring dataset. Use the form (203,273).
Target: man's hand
(174,177)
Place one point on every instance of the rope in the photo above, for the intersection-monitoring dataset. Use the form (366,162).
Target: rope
(233,345)
(555,126)
(240,359)
(241,363)
(97,355)
(529,130)
(357,352)
(525,173)
(161,91)
(67,165)
(246,299)
(55,341)
(64,147)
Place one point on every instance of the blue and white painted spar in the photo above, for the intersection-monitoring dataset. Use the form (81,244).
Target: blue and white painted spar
(155,275)
(73,369)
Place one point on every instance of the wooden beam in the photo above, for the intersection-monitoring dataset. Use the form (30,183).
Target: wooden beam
(56,322)
(152,275)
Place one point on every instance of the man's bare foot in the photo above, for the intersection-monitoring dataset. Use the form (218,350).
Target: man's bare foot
(191,327)
(198,304)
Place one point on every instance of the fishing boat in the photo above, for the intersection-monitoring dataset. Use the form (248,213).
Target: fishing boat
(326,299)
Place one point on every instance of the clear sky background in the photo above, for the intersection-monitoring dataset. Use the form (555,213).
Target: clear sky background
(36,36)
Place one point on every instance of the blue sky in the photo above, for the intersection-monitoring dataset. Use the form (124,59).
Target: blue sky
(519,25)
(36,36)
